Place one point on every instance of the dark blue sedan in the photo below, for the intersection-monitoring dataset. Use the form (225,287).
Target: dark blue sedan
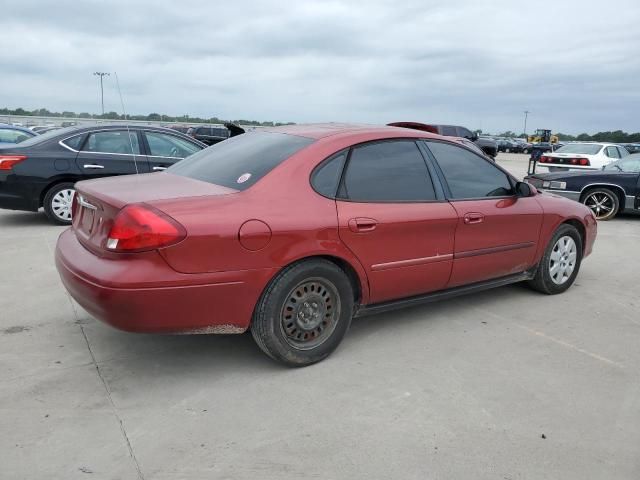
(614,189)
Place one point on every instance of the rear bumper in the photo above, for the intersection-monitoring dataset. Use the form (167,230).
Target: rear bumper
(144,294)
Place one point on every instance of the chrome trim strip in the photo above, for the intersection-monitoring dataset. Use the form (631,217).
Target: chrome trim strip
(159,169)
(64,145)
(629,202)
(82,202)
(602,183)
(490,250)
(412,262)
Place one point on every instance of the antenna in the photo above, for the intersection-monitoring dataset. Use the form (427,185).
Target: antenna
(135,162)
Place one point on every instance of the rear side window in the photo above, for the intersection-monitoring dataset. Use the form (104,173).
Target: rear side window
(612,152)
(393,171)
(449,131)
(242,160)
(467,174)
(73,142)
(326,178)
(113,141)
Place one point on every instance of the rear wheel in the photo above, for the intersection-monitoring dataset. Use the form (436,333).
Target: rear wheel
(602,202)
(304,313)
(57,203)
(560,263)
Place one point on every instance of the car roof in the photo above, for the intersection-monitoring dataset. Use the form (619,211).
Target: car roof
(323,130)
(8,126)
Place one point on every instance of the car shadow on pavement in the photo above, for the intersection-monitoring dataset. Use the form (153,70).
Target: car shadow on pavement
(24,219)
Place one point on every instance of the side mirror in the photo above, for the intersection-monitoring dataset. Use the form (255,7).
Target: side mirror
(523,189)
(474,137)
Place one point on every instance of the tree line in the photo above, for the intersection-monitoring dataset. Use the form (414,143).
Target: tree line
(616,136)
(152,117)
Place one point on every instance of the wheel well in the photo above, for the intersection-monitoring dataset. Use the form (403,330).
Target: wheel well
(53,184)
(343,265)
(614,188)
(581,230)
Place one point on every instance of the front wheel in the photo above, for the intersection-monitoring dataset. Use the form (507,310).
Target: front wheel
(602,202)
(304,313)
(560,263)
(57,203)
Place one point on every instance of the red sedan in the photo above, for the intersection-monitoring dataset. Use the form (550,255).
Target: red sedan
(292,231)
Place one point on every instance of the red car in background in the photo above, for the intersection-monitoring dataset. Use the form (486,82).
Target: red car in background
(292,231)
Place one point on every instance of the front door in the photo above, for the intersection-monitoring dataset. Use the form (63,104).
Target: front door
(391,218)
(112,152)
(497,231)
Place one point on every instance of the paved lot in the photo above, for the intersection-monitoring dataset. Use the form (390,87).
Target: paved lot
(506,384)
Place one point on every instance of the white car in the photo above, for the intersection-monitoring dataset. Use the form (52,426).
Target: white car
(582,156)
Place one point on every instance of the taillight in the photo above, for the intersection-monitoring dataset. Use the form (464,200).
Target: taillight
(574,161)
(8,161)
(140,227)
(584,161)
(544,159)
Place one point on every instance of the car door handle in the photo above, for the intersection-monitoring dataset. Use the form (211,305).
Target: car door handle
(472,218)
(93,165)
(159,169)
(362,225)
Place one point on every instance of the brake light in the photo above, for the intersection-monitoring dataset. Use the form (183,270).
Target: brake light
(74,206)
(141,227)
(7,162)
(584,161)
(544,159)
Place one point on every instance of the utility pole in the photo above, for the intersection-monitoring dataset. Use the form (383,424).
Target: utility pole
(526,114)
(101,74)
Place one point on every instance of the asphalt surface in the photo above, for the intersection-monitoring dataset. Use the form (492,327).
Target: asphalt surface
(505,384)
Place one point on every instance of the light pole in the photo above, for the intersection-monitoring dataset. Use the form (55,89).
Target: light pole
(526,114)
(101,74)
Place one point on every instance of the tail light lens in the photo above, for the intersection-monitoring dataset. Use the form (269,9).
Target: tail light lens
(584,161)
(141,227)
(74,206)
(574,161)
(543,159)
(7,162)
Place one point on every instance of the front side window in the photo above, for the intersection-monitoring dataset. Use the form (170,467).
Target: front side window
(468,175)
(240,161)
(163,145)
(392,171)
(623,152)
(113,141)
(449,131)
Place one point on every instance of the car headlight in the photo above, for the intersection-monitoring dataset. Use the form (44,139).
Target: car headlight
(554,185)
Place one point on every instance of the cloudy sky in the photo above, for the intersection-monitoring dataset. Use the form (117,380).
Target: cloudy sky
(574,64)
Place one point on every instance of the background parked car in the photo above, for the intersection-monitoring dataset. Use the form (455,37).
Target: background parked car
(10,134)
(582,156)
(214,134)
(42,171)
(180,128)
(615,188)
(632,147)
(487,144)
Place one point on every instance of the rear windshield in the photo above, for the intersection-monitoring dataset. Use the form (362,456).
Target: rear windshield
(580,148)
(240,161)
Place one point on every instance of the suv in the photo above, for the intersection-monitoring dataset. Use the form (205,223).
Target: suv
(208,134)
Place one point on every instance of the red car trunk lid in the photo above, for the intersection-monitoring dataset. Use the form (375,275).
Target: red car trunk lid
(99,201)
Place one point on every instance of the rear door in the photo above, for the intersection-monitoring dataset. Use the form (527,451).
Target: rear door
(164,149)
(112,152)
(497,232)
(395,220)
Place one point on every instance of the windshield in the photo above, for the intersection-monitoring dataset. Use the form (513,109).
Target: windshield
(580,148)
(240,161)
(630,164)
(46,136)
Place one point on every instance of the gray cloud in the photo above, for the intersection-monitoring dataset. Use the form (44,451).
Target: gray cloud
(573,64)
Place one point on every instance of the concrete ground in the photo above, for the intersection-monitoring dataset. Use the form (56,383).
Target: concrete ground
(505,384)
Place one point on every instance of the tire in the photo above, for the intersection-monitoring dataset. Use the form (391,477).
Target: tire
(57,203)
(304,313)
(552,277)
(603,202)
